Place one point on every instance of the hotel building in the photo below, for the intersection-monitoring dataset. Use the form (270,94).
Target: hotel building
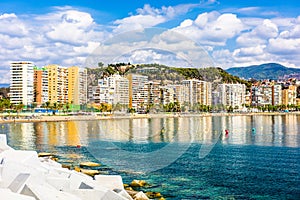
(21,82)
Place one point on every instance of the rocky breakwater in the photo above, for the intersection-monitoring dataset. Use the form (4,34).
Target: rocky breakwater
(25,176)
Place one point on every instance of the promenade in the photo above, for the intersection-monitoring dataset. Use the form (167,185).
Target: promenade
(5,118)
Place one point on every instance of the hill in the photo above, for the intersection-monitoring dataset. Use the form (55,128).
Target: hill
(165,73)
(260,72)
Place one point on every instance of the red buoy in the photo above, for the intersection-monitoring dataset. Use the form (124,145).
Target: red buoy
(226,132)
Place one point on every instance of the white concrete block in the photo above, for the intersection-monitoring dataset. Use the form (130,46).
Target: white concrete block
(125,194)
(46,192)
(110,181)
(6,194)
(61,184)
(26,157)
(76,178)
(111,195)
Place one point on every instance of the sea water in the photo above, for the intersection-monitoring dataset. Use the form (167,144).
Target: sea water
(212,157)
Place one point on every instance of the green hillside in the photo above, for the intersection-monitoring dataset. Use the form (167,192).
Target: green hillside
(165,73)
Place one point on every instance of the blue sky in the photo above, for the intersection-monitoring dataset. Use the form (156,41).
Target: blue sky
(233,33)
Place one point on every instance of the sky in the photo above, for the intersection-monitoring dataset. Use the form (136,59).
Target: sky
(230,33)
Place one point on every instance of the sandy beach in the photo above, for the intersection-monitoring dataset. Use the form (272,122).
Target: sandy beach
(23,118)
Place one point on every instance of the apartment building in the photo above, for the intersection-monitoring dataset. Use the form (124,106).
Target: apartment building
(154,92)
(289,95)
(231,95)
(77,85)
(40,85)
(266,94)
(138,93)
(57,84)
(197,91)
(112,90)
(21,82)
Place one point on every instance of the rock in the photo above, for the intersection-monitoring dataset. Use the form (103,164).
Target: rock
(89,164)
(138,183)
(66,166)
(90,172)
(54,158)
(45,154)
(77,169)
(153,195)
(140,196)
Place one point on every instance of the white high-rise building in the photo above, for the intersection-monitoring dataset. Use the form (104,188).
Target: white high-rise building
(21,82)
(113,90)
(138,91)
(232,95)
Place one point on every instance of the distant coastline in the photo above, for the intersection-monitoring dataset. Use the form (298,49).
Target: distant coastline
(57,118)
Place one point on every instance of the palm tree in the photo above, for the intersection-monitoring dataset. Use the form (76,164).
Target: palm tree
(19,107)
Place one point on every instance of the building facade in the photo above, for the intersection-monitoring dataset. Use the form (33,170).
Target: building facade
(77,85)
(57,84)
(138,93)
(231,95)
(197,92)
(21,83)
(40,85)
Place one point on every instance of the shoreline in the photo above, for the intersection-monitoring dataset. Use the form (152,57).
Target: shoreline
(60,118)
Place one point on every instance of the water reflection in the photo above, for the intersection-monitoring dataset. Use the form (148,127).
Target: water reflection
(281,130)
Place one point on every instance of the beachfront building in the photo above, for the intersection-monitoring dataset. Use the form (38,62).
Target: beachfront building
(289,95)
(266,94)
(21,82)
(40,85)
(57,84)
(168,94)
(112,90)
(138,92)
(197,92)
(231,95)
(154,92)
(77,85)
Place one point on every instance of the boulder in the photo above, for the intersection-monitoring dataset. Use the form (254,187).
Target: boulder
(138,183)
(89,164)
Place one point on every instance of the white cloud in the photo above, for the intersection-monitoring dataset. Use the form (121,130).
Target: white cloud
(212,28)
(66,36)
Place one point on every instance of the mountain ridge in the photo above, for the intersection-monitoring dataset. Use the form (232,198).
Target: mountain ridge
(263,71)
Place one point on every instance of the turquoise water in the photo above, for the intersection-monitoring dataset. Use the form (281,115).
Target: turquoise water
(183,158)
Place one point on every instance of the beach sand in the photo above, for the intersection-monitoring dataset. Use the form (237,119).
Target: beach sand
(5,118)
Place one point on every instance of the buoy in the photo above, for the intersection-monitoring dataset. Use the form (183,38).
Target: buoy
(78,146)
(226,132)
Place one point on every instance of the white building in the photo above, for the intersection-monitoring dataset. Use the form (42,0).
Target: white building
(197,91)
(112,90)
(138,92)
(231,95)
(21,82)
(266,94)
